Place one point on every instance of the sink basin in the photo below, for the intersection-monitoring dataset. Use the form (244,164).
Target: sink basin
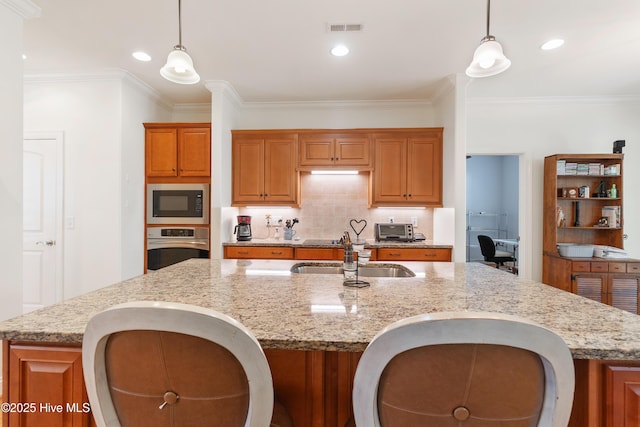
(371,270)
(320,242)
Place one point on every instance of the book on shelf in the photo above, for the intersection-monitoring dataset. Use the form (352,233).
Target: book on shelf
(596,169)
(612,170)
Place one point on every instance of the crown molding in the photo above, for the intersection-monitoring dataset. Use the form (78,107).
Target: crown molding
(114,74)
(225,88)
(547,100)
(24,8)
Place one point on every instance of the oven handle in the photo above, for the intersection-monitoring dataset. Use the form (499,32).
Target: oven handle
(162,244)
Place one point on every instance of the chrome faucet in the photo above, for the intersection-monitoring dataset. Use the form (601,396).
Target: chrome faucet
(346,239)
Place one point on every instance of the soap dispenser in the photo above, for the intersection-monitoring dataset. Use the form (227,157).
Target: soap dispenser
(614,191)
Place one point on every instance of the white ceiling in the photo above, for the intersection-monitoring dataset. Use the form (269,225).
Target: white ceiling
(278,50)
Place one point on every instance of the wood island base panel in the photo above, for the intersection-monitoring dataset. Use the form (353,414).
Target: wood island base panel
(314,329)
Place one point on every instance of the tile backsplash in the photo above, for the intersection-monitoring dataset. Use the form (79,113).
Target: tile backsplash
(328,203)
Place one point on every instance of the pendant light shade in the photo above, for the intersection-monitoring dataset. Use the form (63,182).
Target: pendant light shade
(179,67)
(488,59)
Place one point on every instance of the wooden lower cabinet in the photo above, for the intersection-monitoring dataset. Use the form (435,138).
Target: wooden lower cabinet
(616,283)
(336,254)
(328,254)
(413,254)
(622,396)
(258,252)
(45,386)
(314,386)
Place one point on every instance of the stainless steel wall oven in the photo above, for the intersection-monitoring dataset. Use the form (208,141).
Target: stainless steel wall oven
(170,245)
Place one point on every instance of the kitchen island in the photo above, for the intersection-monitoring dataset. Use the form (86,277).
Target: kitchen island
(314,329)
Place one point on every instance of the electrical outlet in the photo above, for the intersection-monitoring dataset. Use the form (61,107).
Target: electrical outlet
(391,220)
(414,221)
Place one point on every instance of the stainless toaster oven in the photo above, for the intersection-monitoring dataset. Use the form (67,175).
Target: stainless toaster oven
(394,232)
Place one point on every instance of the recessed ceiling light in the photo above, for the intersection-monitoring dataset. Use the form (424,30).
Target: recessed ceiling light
(24,56)
(552,44)
(340,50)
(141,56)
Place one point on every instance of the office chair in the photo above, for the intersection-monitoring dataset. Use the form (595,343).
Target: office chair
(464,369)
(166,364)
(490,254)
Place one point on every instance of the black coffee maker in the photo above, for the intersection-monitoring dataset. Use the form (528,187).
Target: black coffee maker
(243,229)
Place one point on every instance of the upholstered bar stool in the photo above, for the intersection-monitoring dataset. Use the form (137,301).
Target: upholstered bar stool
(166,364)
(464,370)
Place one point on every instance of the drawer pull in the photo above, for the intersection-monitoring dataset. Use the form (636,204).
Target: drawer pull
(276,252)
(393,254)
(430,254)
(243,252)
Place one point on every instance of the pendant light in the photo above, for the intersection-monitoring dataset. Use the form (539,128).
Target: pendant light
(179,66)
(488,59)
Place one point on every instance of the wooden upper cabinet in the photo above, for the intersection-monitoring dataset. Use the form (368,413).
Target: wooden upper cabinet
(335,150)
(194,152)
(408,168)
(264,168)
(175,150)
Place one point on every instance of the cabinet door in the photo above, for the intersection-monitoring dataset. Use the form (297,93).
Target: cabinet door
(248,170)
(280,176)
(592,286)
(353,150)
(622,394)
(194,152)
(390,172)
(414,254)
(161,152)
(48,375)
(258,252)
(316,149)
(424,171)
(320,253)
(623,289)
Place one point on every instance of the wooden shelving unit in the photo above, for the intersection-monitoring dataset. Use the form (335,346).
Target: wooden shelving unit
(612,281)
(580,229)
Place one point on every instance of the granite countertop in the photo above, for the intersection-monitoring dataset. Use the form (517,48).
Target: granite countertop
(316,312)
(328,243)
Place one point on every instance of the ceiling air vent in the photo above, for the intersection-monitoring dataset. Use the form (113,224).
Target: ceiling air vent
(341,28)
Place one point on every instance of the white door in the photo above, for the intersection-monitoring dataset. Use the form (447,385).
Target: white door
(42,270)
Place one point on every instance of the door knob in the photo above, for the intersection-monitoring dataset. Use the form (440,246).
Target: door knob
(48,243)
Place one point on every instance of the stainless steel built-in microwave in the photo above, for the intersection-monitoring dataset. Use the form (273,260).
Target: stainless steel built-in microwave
(178,204)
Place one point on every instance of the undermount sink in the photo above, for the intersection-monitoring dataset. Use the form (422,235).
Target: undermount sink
(321,242)
(370,270)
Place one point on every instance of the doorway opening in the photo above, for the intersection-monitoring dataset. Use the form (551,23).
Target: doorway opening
(492,203)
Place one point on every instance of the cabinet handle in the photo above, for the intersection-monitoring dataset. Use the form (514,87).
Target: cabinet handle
(173,169)
(430,254)
(337,158)
(393,254)
(276,252)
(410,195)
